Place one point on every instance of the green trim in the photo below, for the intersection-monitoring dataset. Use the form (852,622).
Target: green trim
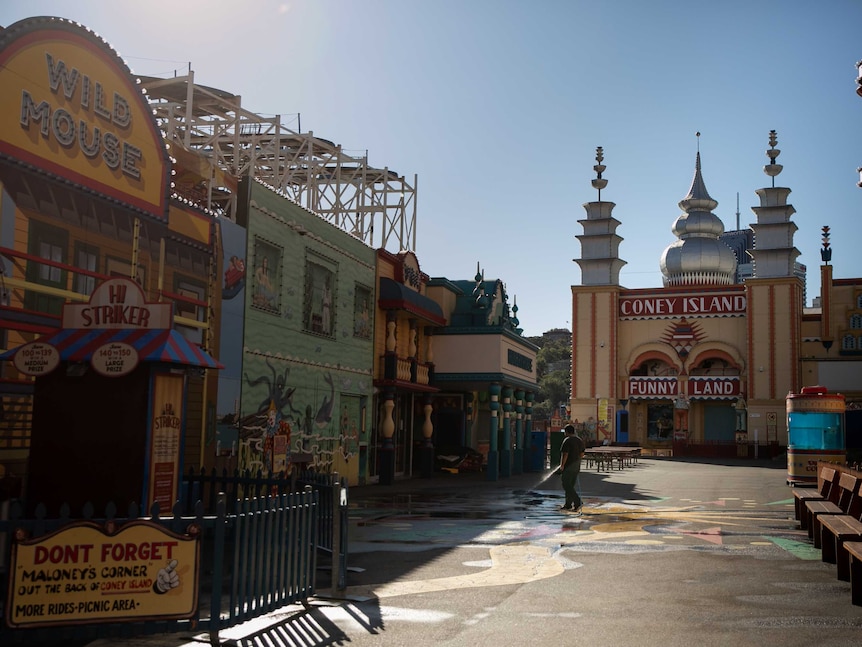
(502,378)
(487,330)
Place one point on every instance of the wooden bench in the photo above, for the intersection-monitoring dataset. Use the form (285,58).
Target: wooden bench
(816,510)
(839,529)
(854,556)
(836,530)
(828,480)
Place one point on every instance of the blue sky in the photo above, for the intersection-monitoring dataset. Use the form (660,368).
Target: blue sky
(498,105)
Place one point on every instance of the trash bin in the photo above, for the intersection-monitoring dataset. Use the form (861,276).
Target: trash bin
(537,451)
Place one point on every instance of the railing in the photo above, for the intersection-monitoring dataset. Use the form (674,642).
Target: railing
(210,488)
(332,533)
(422,374)
(405,369)
(727,449)
(252,562)
(75,282)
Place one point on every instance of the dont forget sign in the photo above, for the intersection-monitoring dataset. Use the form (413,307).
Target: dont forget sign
(86,574)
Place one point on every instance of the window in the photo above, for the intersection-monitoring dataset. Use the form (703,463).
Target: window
(50,273)
(50,243)
(856,321)
(318,302)
(122,268)
(86,258)
(193,290)
(848,342)
(266,284)
(362,308)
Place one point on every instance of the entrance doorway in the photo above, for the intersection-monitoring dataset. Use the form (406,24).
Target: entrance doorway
(719,423)
(660,421)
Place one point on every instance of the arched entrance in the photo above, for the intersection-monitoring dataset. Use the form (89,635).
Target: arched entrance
(713,389)
(653,385)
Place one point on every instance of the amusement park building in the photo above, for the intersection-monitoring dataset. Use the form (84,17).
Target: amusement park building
(100,259)
(703,364)
(293,335)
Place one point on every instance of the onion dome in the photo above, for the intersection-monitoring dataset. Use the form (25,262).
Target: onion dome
(698,257)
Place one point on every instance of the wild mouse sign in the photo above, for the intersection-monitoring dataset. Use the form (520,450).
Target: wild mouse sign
(84,574)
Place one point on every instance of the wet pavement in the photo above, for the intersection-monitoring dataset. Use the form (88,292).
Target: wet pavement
(667,552)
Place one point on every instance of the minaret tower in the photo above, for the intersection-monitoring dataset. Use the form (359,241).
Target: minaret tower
(774,254)
(600,262)
(595,304)
(774,302)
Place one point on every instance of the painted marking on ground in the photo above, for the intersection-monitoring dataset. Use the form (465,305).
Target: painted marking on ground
(514,564)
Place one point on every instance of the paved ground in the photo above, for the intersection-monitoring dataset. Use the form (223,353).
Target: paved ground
(667,553)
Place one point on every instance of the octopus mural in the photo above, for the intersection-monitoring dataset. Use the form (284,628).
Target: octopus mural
(281,427)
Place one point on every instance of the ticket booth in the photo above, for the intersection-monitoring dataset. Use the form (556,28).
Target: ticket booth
(109,403)
(815,432)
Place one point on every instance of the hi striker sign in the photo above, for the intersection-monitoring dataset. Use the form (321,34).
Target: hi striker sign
(114,359)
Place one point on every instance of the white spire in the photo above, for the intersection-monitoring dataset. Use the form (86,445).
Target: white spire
(600,262)
(698,257)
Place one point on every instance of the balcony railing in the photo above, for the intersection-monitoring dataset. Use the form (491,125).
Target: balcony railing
(405,369)
(189,311)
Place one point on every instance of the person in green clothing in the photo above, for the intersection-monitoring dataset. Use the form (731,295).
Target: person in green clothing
(571,452)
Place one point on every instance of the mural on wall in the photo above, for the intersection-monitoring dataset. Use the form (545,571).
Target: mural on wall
(267,276)
(234,278)
(318,305)
(265,442)
(279,394)
(311,423)
(350,426)
(226,440)
(361,314)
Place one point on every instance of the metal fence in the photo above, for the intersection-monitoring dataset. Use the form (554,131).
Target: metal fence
(728,449)
(258,558)
(332,531)
(210,487)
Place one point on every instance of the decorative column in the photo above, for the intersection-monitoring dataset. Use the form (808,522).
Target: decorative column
(426,458)
(429,352)
(518,464)
(413,349)
(493,469)
(531,462)
(387,449)
(390,357)
(506,438)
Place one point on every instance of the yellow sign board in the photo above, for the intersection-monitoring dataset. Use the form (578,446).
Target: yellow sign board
(165,439)
(69,106)
(84,574)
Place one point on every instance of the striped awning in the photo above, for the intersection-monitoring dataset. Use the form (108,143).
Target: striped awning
(166,346)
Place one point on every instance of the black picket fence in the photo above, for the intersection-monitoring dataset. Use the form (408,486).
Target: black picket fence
(260,557)
(232,487)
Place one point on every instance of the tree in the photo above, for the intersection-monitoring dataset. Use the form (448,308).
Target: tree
(553,373)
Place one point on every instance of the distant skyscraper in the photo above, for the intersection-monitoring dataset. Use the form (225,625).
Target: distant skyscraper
(741,241)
